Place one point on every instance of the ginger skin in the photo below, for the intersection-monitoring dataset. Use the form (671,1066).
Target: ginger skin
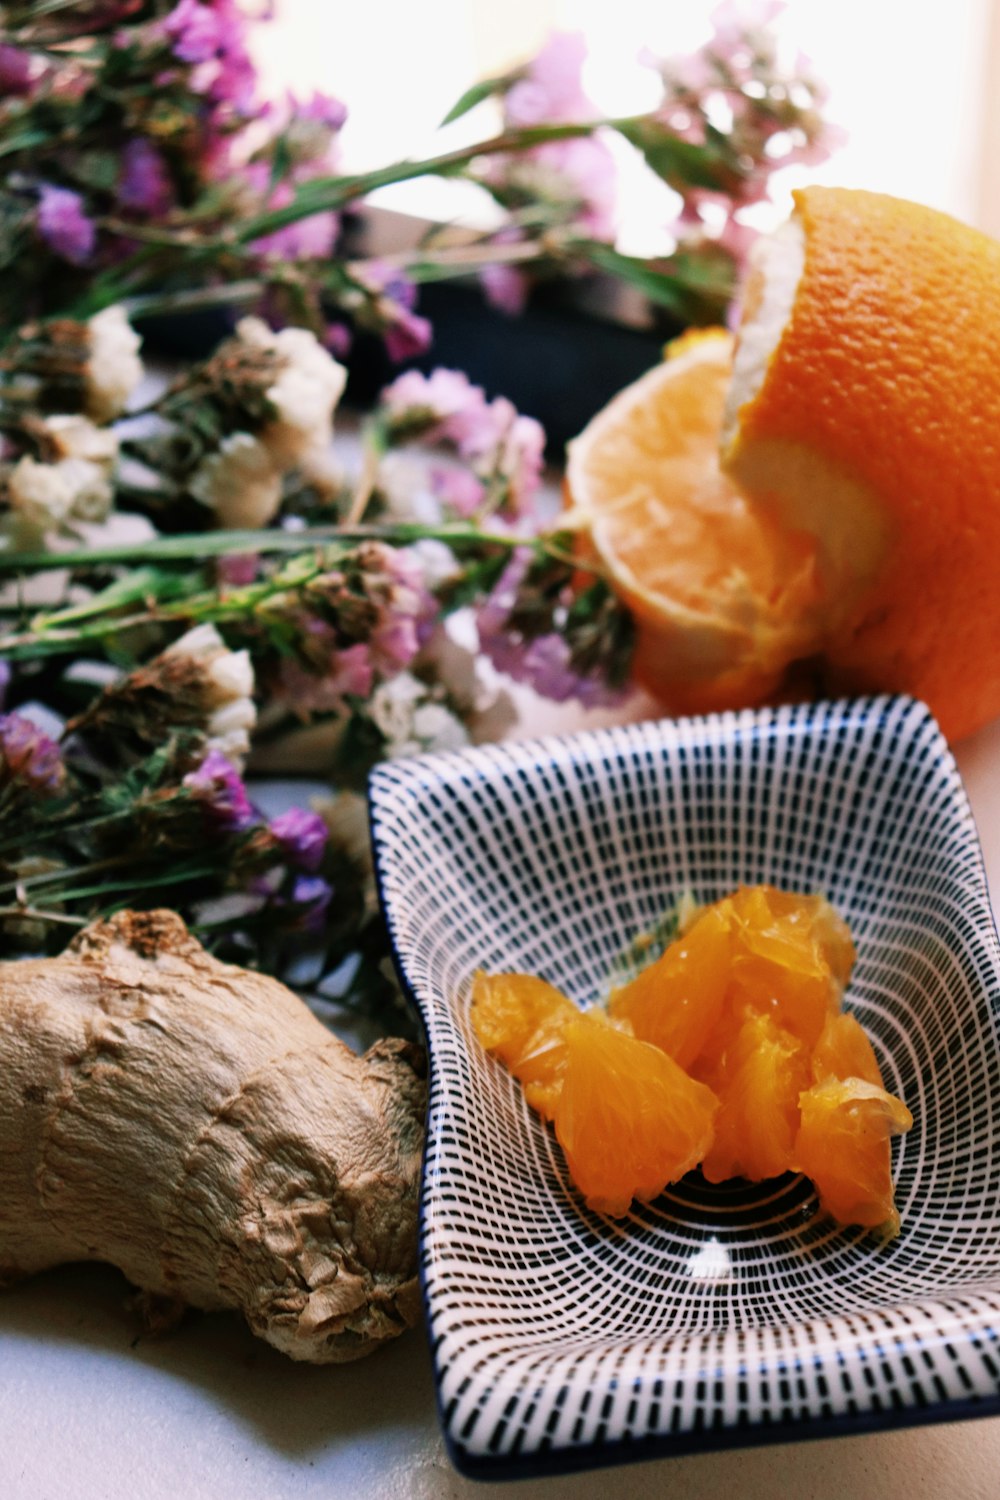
(193,1124)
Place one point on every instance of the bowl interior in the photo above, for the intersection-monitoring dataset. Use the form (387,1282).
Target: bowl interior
(551,857)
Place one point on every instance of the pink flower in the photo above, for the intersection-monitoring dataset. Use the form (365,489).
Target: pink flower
(237,570)
(407,336)
(144,185)
(28,756)
(457,489)
(17,72)
(307,239)
(64,226)
(550,90)
(324,109)
(506,288)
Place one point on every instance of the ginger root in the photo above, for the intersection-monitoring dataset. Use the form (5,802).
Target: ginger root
(193,1124)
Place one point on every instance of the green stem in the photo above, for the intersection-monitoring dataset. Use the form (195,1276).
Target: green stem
(323,195)
(200,545)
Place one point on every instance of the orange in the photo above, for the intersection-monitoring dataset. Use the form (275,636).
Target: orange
(717,590)
(843,1147)
(629,1120)
(835,526)
(758,1084)
(676,1003)
(844,1051)
(730,1050)
(521,1020)
(792,955)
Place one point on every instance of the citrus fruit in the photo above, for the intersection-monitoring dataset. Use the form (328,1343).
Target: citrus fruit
(521,1020)
(826,515)
(844,1051)
(843,1147)
(758,1083)
(718,591)
(629,1120)
(676,1003)
(789,954)
(730,1051)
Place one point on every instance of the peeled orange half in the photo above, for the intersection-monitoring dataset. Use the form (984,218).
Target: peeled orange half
(816,507)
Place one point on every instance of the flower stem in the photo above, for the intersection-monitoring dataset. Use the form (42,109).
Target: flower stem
(200,545)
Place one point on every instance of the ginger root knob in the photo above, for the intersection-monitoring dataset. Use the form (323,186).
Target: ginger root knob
(193,1124)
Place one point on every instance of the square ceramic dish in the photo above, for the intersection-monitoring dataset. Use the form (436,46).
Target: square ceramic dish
(716,1315)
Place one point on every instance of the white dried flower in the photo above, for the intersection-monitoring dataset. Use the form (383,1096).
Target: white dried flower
(39,494)
(391,710)
(404,485)
(412,721)
(77,486)
(114,368)
(227,682)
(437,728)
(239,481)
(305,393)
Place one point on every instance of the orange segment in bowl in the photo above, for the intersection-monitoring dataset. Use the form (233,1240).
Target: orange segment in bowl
(676,1003)
(629,1120)
(758,1085)
(843,1147)
(521,1019)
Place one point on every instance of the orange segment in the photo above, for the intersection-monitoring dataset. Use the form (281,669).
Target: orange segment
(718,590)
(843,1147)
(629,1120)
(521,1020)
(758,1085)
(788,953)
(844,1051)
(676,1003)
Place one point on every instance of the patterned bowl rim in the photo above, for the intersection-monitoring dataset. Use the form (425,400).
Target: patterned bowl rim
(974,1324)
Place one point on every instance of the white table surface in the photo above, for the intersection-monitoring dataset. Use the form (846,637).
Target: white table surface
(87,1413)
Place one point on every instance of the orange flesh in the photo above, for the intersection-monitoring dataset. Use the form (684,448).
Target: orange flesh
(729,1051)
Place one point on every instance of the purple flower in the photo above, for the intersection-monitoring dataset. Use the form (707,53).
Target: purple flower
(144,184)
(28,756)
(211,38)
(302,835)
(543,662)
(63,224)
(17,72)
(200,32)
(314,895)
(219,787)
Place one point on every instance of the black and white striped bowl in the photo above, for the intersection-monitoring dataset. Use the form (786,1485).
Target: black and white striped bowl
(715,1315)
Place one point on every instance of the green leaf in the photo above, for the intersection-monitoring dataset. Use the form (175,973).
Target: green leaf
(479,92)
(662,287)
(680,163)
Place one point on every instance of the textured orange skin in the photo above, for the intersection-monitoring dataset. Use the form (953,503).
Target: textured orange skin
(889,372)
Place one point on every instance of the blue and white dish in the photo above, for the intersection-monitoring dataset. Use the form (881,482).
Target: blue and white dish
(715,1315)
